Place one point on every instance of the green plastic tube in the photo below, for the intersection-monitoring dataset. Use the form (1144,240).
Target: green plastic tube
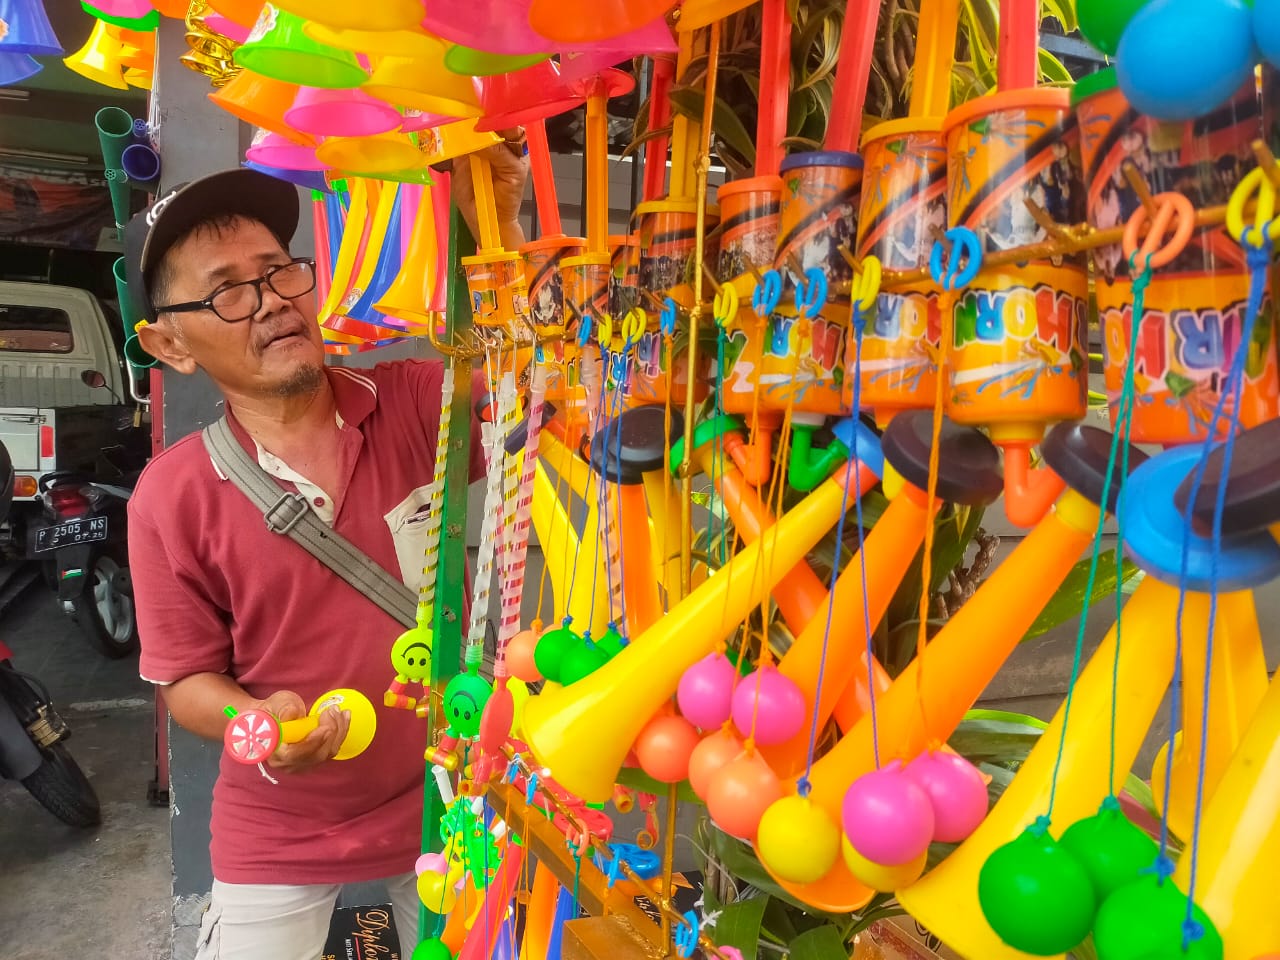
(134,355)
(115,132)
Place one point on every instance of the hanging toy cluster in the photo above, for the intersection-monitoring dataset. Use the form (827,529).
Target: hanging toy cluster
(695,416)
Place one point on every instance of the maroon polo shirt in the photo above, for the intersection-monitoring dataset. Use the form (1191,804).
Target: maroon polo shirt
(217,592)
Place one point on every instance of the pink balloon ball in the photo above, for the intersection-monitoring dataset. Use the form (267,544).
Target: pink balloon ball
(956,792)
(706,691)
(887,816)
(435,862)
(772,703)
(730,953)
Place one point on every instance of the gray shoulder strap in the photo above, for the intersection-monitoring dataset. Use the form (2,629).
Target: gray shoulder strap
(290,515)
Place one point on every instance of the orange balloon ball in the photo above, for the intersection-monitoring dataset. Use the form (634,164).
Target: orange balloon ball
(664,747)
(520,657)
(740,794)
(715,751)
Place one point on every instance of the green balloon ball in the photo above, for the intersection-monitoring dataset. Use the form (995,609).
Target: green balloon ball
(464,701)
(1037,897)
(549,652)
(581,660)
(432,949)
(611,643)
(1102,22)
(1143,921)
(1112,850)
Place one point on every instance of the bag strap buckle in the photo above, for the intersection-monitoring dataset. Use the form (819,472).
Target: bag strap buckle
(293,506)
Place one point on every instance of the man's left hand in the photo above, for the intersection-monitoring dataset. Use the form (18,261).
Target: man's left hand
(509,165)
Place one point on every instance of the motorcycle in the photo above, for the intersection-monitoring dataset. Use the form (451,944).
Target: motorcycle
(85,546)
(31,732)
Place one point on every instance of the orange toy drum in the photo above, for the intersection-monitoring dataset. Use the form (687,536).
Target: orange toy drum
(1194,307)
(904,198)
(498,293)
(820,198)
(1017,357)
(749,218)
(802,362)
(541,259)
(668,241)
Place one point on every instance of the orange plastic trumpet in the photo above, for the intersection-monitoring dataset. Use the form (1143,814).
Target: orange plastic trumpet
(924,705)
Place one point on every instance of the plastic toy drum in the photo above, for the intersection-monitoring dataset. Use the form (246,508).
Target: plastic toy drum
(668,242)
(1018,353)
(541,259)
(802,357)
(904,199)
(749,219)
(819,215)
(1195,306)
(498,293)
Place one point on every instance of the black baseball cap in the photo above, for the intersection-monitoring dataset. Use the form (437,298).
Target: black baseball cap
(151,233)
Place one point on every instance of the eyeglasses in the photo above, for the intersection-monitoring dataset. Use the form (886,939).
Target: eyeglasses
(240,301)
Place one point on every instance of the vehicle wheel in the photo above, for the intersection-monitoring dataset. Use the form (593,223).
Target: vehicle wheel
(106,614)
(58,783)
(63,789)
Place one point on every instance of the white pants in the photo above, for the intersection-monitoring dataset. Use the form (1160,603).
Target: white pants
(250,921)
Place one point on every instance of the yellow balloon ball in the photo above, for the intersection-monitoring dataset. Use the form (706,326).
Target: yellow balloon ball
(436,892)
(519,694)
(798,841)
(876,875)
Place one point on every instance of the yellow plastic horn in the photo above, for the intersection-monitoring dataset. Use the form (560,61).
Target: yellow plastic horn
(422,82)
(1240,841)
(946,899)
(99,59)
(380,43)
(563,553)
(1237,684)
(582,733)
(382,15)
(409,295)
(925,704)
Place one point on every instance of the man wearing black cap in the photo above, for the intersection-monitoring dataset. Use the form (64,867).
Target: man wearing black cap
(232,614)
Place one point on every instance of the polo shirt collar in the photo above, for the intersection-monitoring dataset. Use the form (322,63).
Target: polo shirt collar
(354,392)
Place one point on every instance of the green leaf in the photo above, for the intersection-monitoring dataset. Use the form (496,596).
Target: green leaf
(820,943)
(1069,599)
(779,923)
(738,925)
(728,127)
(995,737)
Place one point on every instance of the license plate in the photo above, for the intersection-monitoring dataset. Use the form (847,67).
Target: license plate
(70,533)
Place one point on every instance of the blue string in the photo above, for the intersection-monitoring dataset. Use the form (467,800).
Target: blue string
(1126,397)
(802,784)
(1259,259)
(717,459)
(586,500)
(622,554)
(1123,427)
(602,508)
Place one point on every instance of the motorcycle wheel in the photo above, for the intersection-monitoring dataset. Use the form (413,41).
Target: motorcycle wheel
(63,789)
(58,783)
(106,615)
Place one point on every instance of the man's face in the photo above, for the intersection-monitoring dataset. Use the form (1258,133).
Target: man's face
(276,352)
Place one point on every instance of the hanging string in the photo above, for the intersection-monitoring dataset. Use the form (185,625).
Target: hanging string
(622,553)
(1123,428)
(948,305)
(1258,258)
(592,417)
(851,477)
(602,506)
(1140,284)
(560,479)
(717,460)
